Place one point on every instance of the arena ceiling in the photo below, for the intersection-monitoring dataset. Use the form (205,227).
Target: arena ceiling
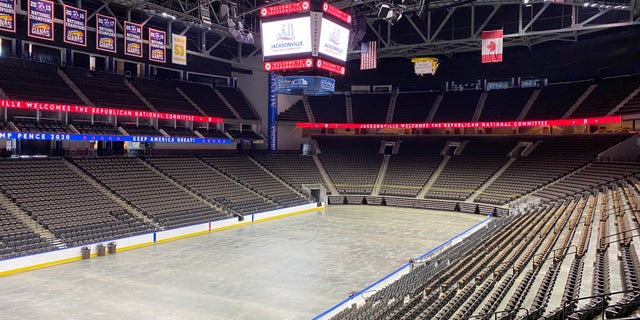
(417,27)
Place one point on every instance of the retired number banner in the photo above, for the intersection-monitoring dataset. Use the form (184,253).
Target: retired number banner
(40,19)
(179,52)
(157,45)
(106,33)
(75,26)
(8,15)
(133,39)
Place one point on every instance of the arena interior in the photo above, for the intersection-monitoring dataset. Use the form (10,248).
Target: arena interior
(100,145)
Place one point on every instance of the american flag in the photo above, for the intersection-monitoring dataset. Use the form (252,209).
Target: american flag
(368,55)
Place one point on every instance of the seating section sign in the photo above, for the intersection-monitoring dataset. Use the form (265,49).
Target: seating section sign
(75,26)
(157,45)
(40,19)
(133,39)
(106,33)
(8,15)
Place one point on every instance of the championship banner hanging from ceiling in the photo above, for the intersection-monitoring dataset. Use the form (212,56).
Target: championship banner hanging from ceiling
(106,33)
(157,45)
(8,15)
(491,46)
(179,51)
(40,19)
(133,39)
(75,26)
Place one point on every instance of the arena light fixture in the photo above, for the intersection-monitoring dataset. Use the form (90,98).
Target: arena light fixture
(618,5)
(391,12)
(169,16)
(239,32)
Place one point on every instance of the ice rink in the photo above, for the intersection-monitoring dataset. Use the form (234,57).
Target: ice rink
(289,268)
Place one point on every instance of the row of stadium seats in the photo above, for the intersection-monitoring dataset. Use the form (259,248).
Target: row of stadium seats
(479,160)
(149,191)
(296,170)
(526,262)
(257,179)
(31,81)
(213,185)
(125,196)
(28,80)
(41,82)
(164,97)
(560,156)
(354,163)
(86,200)
(552,102)
(58,199)
(16,238)
(207,99)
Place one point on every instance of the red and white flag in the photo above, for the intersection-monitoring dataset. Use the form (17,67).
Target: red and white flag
(491,46)
(368,55)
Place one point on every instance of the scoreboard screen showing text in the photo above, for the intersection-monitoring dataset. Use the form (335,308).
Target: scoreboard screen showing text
(334,40)
(286,37)
(305,38)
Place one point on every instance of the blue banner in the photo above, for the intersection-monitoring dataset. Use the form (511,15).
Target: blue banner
(40,19)
(157,45)
(133,39)
(91,137)
(273,113)
(8,15)
(106,33)
(75,26)
(305,85)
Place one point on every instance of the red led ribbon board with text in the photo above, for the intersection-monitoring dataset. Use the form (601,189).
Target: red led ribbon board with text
(17,104)
(288,64)
(284,9)
(446,125)
(329,66)
(337,13)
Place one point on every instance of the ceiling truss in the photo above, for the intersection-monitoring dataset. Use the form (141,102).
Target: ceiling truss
(429,39)
(438,33)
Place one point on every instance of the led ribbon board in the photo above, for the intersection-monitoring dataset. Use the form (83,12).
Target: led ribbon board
(329,66)
(288,8)
(17,104)
(305,85)
(337,13)
(446,125)
(288,64)
(92,137)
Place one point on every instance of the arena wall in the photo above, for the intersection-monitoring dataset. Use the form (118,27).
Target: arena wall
(47,259)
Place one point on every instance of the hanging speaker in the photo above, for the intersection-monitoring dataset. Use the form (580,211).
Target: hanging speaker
(384,11)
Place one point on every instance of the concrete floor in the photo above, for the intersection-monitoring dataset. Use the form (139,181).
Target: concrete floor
(290,268)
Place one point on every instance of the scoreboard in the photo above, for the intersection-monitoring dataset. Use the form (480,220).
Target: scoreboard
(286,37)
(305,37)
